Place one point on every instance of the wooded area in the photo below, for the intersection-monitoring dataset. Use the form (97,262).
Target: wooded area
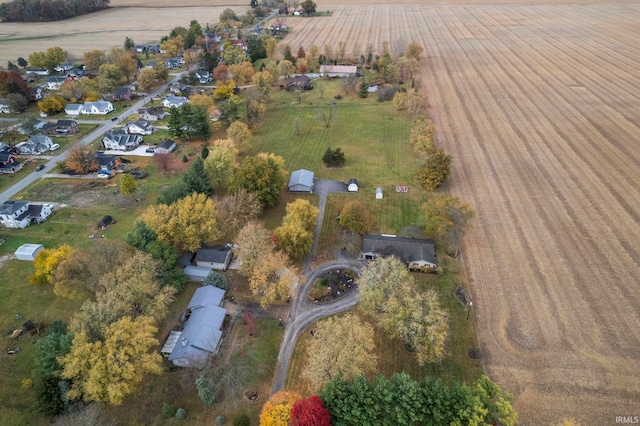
(48,10)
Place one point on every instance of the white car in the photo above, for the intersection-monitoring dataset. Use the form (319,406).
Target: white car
(54,147)
(103,175)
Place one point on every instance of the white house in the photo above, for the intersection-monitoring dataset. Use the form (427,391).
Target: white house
(174,101)
(338,70)
(64,67)
(140,127)
(151,113)
(35,145)
(204,77)
(20,214)
(121,141)
(55,82)
(73,109)
(202,332)
(99,107)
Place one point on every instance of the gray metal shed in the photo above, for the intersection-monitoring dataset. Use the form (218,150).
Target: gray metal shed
(28,251)
(301,181)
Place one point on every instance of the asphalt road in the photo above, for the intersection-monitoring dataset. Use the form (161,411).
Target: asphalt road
(91,137)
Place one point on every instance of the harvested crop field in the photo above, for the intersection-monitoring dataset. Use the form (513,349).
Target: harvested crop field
(539,106)
(102,30)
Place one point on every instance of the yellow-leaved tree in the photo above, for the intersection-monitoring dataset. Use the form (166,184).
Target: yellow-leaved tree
(273,279)
(341,346)
(107,371)
(46,263)
(295,235)
(186,224)
(277,410)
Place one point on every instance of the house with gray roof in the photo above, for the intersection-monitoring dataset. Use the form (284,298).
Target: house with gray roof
(301,181)
(98,107)
(73,109)
(140,127)
(35,145)
(20,214)
(418,254)
(174,101)
(119,140)
(201,334)
(214,257)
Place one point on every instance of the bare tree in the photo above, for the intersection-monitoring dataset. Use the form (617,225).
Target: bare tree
(164,161)
(342,49)
(348,84)
(328,114)
(296,126)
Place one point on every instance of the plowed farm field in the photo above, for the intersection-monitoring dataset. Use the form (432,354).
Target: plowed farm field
(539,106)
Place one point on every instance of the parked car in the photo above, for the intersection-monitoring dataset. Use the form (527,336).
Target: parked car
(54,147)
(138,174)
(40,167)
(104,175)
(114,118)
(150,150)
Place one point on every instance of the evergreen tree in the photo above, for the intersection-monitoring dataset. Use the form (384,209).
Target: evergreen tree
(196,179)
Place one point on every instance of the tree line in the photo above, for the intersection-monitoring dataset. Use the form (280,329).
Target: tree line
(48,10)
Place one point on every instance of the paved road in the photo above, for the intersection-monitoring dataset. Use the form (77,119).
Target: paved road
(106,126)
(303,313)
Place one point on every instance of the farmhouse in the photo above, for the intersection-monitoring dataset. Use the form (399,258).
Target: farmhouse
(202,331)
(121,141)
(140,127)
(20,214)
(55,82)
(418,254)
(204,77)
(352,185)
(35,145)
(9,163)
(60,128)
(151,113)
(301,181)
(215,257)
(338,70)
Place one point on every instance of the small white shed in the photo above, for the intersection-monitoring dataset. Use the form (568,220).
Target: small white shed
(378,193)
(352,185)
(28,251)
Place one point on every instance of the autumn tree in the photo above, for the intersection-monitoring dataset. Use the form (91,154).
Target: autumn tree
(313,51)
(173,45)
(263,174)
(236,210)
(225,90)
(277,410)
(341,346)
(434,171)
(355,217)
(414,51)
(146,78)
(12,82)
(49,59)
(295,235)
(221,162)
(47,261)
(286,68)
(309,412)
(242,72)
(263,81)
(202,100)
(128,185)
(107,371)
(447,219)
(82,159)
(186,224)
(221,73)
(273,278)
(252,241)
(79,274)
(421,136)
(93,59)
(388,292)
(240,134)
(52,104)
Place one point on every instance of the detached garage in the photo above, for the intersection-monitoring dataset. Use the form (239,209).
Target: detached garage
(301,181)
(28,251)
